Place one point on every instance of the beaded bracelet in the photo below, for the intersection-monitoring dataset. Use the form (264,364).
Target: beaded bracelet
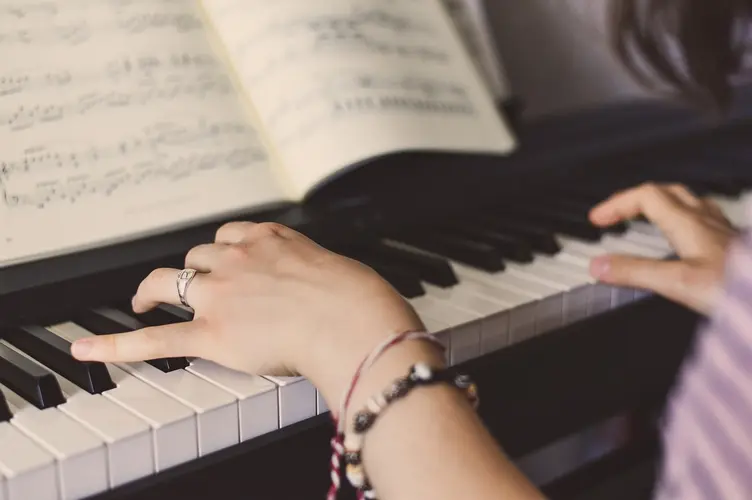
(337,442)
(420,375)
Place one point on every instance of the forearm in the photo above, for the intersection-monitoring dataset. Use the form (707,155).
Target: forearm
(431,444)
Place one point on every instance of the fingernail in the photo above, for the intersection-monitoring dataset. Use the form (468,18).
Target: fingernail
(600,266)
(82,348)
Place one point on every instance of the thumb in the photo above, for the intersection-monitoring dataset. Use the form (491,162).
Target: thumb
(676,280)
(180,339)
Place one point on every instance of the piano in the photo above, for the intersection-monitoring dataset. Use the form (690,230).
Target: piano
(493,258)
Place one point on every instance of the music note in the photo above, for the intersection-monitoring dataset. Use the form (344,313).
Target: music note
(13,85)
(27,10)
(140,23)
(164,152)
(148,93)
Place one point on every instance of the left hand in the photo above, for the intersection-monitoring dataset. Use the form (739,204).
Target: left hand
(268,301)
(695,227)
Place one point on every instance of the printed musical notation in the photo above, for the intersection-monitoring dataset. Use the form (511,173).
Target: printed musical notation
(349,74)
(172,66)
(75,33)
(338,89)
(27,116)
(30,10)
(80,31)
(372,30)
(358,32)
(166,152)
(182,22)
(350,95)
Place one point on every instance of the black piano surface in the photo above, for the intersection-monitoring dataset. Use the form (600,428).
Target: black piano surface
(534,393)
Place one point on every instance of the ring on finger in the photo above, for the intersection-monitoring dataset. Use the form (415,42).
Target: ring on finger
(184,279)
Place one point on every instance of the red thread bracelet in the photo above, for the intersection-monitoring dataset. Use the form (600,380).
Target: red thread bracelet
(337,441)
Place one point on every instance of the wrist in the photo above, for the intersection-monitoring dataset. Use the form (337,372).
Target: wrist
(333,379)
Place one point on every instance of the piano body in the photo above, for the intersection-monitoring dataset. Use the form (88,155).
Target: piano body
(499,276)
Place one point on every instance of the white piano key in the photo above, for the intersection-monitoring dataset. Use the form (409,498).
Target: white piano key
(321,406)
(216,409)
(503,311)
(81,455)
(610,244)
(296,397)
(621,296)
(646,228)
(622,245)
(174,425)
(440,330)
(2,486)
(257,397)
(650,240)
(30,471)
(580,254)
(733,209)
(129,445)
(129,440)
(466,344)
(547,301)
(465,326)
(576,284)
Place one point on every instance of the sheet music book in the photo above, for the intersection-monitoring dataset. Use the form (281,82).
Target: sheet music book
(122,118)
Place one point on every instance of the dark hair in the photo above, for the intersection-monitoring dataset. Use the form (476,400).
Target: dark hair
(695,46)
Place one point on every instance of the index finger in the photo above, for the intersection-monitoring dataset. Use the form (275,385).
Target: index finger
(657,204)
(179,339)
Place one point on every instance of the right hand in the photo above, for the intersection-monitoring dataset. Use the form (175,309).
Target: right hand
(696,228)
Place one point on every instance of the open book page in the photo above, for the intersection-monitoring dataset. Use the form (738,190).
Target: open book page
(336,82)
(116,120)
(473,24)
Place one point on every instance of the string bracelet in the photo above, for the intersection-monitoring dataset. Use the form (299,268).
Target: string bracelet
(420,375)
(337,442)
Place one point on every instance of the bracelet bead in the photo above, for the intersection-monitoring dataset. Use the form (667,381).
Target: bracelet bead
(353,441)
(420,374)
(364,420)
(397,390)
(376,403)
(356,475)
(352,458)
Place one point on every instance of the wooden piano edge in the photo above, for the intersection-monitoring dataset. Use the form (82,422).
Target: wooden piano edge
(532,394)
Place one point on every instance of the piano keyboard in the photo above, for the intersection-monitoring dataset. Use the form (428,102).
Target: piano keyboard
(70,430)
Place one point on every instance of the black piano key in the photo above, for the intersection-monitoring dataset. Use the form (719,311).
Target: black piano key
(407,284)
(474,254)
(5,414)
(583,209)
(158,316)
(553,219)
(583,196)
(405,280)
(509,247)
(720,187)
(55,353)
(540,240)
(102,325)
(428,268)
(33,382)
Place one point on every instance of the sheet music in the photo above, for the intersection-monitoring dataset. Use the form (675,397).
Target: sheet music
(472,22)
(116,119)
(339,81)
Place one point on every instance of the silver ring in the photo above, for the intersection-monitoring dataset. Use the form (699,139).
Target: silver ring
(184,280)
